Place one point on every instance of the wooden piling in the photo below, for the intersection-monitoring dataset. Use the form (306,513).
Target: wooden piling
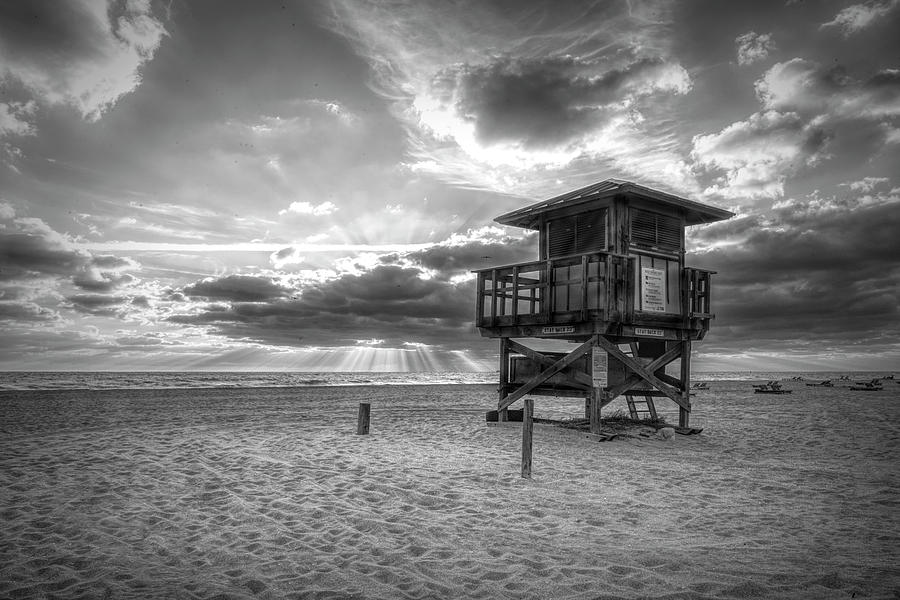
(362,419)
(527,433)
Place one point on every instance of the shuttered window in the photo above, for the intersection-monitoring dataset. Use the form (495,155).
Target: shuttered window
(578,234)
(656,231)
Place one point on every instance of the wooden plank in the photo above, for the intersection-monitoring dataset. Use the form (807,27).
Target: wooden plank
(527,435)
(547,373)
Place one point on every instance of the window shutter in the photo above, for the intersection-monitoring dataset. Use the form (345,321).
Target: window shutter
(653,230)
(562,237)
(579,234)
(590,232)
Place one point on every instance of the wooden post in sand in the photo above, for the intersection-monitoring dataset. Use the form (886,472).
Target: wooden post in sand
(362,420)
(527,431)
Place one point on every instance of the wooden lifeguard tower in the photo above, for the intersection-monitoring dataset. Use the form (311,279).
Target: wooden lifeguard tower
(611,278)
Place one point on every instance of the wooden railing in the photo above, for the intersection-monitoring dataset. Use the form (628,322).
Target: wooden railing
(579,287)
(695,290)
(585,287)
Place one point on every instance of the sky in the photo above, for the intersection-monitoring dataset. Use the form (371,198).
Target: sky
(307,185)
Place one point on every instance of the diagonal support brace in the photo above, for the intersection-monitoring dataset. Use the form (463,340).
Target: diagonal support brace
(645,372)
(579,376)
(547,373)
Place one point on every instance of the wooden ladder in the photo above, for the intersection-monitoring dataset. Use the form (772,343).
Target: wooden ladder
(634,411)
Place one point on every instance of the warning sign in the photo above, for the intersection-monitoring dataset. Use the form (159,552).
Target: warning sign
(653,290)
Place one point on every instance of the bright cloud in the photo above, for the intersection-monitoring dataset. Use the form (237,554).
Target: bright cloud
(757,154)
(486,109)
(14,118)
(97,57)
(307,208)
(857,17)
(753,47)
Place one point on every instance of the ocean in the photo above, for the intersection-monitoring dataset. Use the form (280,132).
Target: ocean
(106,380)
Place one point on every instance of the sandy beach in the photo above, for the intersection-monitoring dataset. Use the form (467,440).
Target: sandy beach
(269,493)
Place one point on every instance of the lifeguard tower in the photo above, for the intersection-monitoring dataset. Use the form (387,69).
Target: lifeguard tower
(611,278)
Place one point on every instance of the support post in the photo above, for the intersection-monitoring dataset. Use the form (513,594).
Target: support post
(684,415)
(362,419)
(599,381)
(503,414)
(527,434)
(597,397)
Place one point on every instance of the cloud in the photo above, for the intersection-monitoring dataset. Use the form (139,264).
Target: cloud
(475,249)
(857,17)
(98,304)
(758,154)
(14,118)
(753,47)
(32,249)
(811,89)
(40,268)
(866,184)
(580,87)
(398,298)
(29,248)
(18,312)
(818,271)
(307,208)
(549,102)
(85,53)
(803,107)
(237,288)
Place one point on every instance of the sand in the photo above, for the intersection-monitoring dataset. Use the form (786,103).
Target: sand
(269,493)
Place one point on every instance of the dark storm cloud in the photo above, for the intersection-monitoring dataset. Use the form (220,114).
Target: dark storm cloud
(813,270)
(98,304)
(25,255)
(450,260)
(30,249)
(389,301)
(550,101)
(237,288)
(25,311)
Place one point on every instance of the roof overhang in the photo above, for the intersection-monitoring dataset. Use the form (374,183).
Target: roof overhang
(695,213)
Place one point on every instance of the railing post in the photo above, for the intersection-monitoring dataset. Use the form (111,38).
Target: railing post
(479,299)
(584,286)
(515,298)
(493,297)
(551,291)
(628,291)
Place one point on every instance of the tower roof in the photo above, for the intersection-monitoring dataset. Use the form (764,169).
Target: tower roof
(694,212)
